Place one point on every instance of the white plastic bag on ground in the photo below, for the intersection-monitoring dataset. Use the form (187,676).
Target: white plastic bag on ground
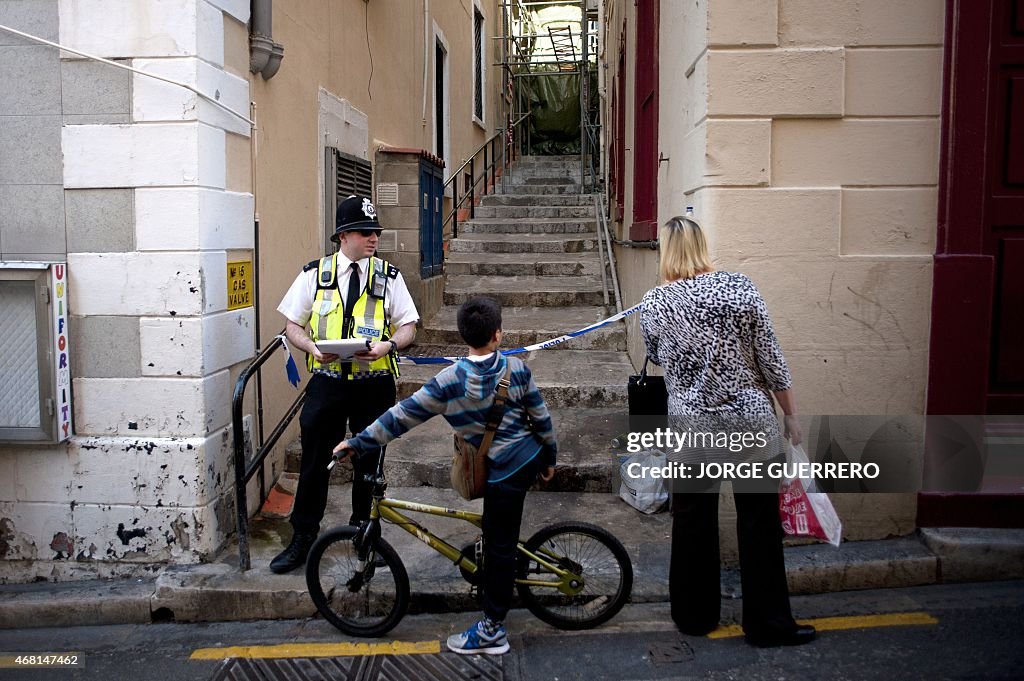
(803,511)
(644,492)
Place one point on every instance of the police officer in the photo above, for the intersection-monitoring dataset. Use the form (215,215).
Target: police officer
(351,294)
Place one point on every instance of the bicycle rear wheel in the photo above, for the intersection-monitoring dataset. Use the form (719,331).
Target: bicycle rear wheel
(367,603)
(590,552)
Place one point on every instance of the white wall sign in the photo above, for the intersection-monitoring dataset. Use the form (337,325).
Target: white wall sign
(61,370)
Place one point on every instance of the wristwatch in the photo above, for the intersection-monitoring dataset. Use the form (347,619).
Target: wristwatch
(394,345)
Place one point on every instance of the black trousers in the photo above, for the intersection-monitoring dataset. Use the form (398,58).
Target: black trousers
(503,516)
(694,569)
(332,406)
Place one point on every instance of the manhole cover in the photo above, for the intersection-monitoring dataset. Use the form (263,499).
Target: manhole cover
(364,668)
(670,652)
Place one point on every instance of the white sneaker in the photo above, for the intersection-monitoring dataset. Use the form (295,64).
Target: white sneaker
(483,638)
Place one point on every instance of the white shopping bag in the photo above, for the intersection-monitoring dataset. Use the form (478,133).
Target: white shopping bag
(803,511)
(638,488)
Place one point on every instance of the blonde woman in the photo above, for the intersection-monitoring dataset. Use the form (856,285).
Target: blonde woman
(710,332)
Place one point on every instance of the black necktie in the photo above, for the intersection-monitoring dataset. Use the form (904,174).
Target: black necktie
(353,292)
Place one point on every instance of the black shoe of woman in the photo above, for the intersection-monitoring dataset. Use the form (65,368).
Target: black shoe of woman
(802,634)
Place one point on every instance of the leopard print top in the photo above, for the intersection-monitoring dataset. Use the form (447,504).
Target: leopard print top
(714,339)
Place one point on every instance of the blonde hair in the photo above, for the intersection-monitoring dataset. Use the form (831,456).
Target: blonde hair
(684,250)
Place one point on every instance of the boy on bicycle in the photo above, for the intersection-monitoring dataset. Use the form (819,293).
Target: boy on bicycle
(524,448)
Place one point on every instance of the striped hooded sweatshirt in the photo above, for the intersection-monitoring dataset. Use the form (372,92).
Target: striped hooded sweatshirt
(463,393)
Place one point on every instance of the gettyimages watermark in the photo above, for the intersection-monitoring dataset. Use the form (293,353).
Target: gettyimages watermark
(840,453)
(753,470)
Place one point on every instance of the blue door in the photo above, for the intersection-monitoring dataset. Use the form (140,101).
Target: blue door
(431,244)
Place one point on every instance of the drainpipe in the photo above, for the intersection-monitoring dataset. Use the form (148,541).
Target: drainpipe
(264,54)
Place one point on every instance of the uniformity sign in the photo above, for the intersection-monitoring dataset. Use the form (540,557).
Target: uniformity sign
(239,284)
(59,286)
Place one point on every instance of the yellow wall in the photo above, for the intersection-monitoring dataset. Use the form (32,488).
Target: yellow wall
(328,46)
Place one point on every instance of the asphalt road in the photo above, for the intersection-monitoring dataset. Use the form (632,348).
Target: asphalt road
(966,631)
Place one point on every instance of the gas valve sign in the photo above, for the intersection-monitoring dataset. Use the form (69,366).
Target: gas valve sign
(239,284)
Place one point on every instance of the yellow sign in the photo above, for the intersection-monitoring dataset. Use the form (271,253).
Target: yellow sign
(239,284)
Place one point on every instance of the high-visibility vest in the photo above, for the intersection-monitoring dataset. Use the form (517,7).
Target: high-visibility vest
(369,319)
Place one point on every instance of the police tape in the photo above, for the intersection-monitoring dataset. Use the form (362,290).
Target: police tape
(529,348)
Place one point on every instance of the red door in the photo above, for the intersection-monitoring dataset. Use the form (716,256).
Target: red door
(1004,208)
(645,123)
(976,363)
(619,145)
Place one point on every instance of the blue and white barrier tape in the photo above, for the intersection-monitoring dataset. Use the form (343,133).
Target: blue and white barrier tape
(530,348)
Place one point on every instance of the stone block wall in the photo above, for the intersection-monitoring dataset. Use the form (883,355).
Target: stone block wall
(143,187)
(815,172)
(805,134)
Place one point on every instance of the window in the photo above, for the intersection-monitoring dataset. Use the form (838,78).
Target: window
(439,99)
(344,176)
(478,66)
(35,391)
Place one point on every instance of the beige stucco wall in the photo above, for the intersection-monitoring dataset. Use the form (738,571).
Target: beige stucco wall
(805,133)
(325,94)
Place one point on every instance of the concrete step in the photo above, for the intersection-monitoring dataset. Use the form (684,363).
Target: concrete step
(512,199)
(515,243)
(546,179)
(537,189)
(570,378)
(423,456)
(524,326)
(507,212)
(866,572)
(528,225)
(542,175)
(553,160)
(526,291)
(518,264)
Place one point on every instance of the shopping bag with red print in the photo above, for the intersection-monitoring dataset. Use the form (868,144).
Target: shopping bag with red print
(805,512)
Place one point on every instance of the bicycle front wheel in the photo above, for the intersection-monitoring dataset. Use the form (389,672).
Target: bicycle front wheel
(587,551)
(360,603)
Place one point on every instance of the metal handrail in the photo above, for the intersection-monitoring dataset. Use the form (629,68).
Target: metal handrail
(243,471)
(490,167)
(605,233)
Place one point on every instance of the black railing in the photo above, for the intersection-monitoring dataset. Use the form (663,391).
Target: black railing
(497,152)
(244,471)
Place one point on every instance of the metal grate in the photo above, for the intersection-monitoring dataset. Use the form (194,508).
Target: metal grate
(355,176)
(19,361)
(352,176)
(446,666)
(670,652)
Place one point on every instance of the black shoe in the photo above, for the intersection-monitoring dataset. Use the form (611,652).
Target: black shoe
(797,637)
(696,629)
(295,555)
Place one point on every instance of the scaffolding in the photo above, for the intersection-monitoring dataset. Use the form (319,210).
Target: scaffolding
(536,42)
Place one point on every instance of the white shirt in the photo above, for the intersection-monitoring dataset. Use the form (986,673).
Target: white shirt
(297,304)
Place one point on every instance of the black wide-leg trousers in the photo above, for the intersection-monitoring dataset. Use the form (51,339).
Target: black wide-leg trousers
(332,405)
(694,568)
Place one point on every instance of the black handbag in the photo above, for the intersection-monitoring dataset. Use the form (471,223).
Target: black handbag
(647,394)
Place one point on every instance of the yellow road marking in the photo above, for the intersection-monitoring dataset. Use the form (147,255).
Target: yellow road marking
(896,619)
(319,650)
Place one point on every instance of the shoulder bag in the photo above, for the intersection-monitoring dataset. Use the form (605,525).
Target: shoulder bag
(469,463)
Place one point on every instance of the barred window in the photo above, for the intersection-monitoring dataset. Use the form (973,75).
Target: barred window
(478,64)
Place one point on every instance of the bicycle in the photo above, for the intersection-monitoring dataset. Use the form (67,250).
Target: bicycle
(572,575)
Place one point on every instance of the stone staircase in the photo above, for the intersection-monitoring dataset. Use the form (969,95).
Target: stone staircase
(533,246)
